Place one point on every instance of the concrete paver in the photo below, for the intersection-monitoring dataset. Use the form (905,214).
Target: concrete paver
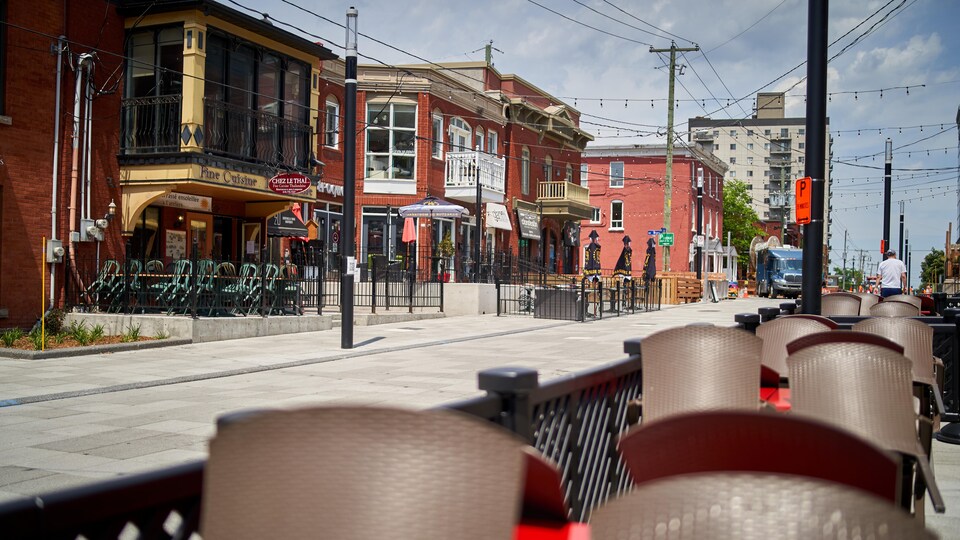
(74,420)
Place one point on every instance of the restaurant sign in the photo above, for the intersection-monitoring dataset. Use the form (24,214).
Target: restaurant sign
(529,224)
(185,201)
(289,183)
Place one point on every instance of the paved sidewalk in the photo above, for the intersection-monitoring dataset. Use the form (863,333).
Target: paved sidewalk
(65,422)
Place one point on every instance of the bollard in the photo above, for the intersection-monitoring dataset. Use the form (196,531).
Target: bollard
(788,308)
(747,321)
(513,385)
(768,313)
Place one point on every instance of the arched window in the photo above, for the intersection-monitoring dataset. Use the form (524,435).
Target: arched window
(525,171)
(548,169)
(331,123)
(569,172)
(459,135)
(478,139)
(437,134)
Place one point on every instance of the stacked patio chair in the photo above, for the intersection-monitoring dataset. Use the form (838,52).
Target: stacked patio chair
(867,300)
(839,304)
(238,290)
(101,291)
(173,291)
(357,473)
(864,384)
(895,308)
(288,289)
(750,506)
(908,298)
(776,334)
(206,285)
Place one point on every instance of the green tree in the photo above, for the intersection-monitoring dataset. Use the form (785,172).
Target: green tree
(853,276)
(931,269)
(740,219)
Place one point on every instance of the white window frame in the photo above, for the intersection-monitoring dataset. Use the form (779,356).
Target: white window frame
(525,171)
(388,158)
(436,144)
(595,216)
(331,123)
(616,225)
(493,142)
(569,176)
(460,135)
(584,175)
(478,139)
(616,181)
(547,168)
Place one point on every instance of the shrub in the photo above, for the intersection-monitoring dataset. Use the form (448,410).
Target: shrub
(162,334)
(53,320)
(97,332)
(11,336)
(38,339)
(132,334)
(79,332)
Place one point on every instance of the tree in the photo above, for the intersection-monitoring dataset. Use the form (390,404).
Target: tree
(740,219)
(931,269)
(849,277)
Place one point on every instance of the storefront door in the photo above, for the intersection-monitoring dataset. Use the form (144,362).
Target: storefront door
(200,234)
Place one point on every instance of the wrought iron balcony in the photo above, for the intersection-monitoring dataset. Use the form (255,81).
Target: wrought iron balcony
(251,135)
(564,200)
(462,171)
(151,125)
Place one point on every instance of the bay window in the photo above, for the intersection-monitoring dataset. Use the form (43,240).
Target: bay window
(390,140)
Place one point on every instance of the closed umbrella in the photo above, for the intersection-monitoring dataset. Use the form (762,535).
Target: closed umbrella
(409,231)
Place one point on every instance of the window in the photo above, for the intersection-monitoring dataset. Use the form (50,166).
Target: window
(331,128)
(525,171)
(800,160)
(733,133)
(436,134)
(616,174)
(749,173)
(151,108)
(733,146)
(569,176)
(784,132)
(733,161)
(750,160)
(716,133)
(616,215)
(595,218)
(749,133)
(766,174)
(583,174)
(801,146)
(3,55)
(766,132)
(801,132)
(492,143)
(459,135)
(478,140)
(391,133)
(750,146)
(766,146)
(732,173)
(256,103)
(548,169)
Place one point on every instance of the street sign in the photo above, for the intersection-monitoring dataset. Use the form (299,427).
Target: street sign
(804,199)
(652,233)
(663,230)
(698,240)
(666,239)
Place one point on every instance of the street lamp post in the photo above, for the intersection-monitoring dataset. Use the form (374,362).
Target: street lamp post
(349,182)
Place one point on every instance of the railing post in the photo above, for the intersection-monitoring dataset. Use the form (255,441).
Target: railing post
(386,286)
(373,285)
(193,281)
(410,278)
(583,301)
(496,283)
(513,386)
(443,271)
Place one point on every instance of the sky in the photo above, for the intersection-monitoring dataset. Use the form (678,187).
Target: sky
(595,55)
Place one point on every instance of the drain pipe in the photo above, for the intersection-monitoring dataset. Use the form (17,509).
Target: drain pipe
(56,164)
(87,142)
(75,167)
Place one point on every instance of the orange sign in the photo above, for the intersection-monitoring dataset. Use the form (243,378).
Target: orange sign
(803,199)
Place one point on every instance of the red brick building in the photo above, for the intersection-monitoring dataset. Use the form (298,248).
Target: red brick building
(627,193)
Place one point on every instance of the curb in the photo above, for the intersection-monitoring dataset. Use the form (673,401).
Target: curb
(93,349)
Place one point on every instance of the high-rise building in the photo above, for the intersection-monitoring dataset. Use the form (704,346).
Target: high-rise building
(767,152)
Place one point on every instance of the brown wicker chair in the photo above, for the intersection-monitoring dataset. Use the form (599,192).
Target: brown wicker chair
(908,298)
(699,368)
(917,341)
(894,308)
(762,443)
(360,473)
(867,300)
(780,331)
(866,389)
(839,303)
(826,321)
(750,506)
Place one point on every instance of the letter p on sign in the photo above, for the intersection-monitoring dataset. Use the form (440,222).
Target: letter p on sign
(803,199)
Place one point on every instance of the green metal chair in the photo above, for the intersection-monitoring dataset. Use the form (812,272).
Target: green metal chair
(263,294)
(238,292)
(99,292)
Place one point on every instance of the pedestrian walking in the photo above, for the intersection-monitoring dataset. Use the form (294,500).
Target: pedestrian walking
(892,275)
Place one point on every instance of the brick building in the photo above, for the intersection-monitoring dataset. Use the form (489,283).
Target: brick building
(627,195)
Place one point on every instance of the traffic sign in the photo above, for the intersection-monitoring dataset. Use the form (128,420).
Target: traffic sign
(698,240)
(652,233)
(804,199)
(666,239)
(663,230)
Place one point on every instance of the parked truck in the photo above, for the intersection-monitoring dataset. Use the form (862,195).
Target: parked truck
(778,269)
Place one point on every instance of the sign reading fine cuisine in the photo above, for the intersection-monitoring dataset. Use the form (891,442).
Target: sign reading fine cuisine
(289,183)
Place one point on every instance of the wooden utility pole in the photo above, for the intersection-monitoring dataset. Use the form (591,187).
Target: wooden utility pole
(668,181)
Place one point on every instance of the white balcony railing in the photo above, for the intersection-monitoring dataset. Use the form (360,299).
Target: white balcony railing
(463,169)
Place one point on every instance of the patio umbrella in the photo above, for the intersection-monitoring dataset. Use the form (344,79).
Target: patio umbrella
(624,267)
(650,264)
(432,207)
(409,231)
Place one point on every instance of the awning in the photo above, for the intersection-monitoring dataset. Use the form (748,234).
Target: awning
(286,223)
(497,217)
(529,224)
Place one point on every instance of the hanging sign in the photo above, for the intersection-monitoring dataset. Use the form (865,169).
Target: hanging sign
(289,183)
(804,199)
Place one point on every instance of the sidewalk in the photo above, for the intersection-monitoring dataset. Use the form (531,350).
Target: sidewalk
(65,422)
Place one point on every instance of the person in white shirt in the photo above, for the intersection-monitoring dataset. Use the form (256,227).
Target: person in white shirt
(892,275)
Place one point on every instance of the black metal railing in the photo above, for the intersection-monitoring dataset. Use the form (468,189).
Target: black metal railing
(150,125)
(385,285)
(251,135)
(552,296)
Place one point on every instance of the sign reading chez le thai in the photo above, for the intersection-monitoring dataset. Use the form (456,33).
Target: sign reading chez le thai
(289,183)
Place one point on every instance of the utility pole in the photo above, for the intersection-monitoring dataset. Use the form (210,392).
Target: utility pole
(700,238)
(887,168)
(349,182)
(815,165)
(900,247)
(907,259)
(843,285)
(668,180)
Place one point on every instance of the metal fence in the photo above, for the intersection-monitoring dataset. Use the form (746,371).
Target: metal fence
(575,299)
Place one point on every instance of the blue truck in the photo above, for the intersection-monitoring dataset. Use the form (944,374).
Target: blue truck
(779,272)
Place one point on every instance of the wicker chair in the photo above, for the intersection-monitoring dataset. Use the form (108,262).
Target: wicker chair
(750,506)
(894,308)
(699,368)
(780,331)
(866,389)
(360,473)
(758,442)
(839,303)
(867,300)
(908,298)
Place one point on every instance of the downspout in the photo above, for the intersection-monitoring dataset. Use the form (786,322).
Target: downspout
(87,122)
(75,168)
(56,164)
